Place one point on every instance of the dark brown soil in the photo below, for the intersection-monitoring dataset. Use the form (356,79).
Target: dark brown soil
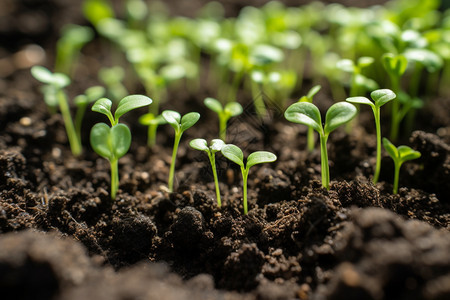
(61,236)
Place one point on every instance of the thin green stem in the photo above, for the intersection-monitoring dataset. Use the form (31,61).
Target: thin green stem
(75,145)
(232,92)
(223,127)
(79,120)
(395,120)
(396,176)
(212,159)
(310,139)
(376,113)
(114,178)
(151,135)
(244,188)
(324,162)
(174,156)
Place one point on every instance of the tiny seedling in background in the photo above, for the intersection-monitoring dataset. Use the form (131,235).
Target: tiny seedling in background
(91,95)
(180,125)
(235,154)
(216,146)
(380,98)
(399,155)
(113,142)
(152,122)
(112,78)
(231,109)
(54,91)
(308,114)
(309,98)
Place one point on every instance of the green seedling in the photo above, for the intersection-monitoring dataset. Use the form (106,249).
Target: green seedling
(235,154)
(112,78)
(309,98)
(97,10)
(152,121)
(380,98)
(113,142)
(231,109)
(308,114)
(180,125)
(82,101)
(399,155)
(359,82)
(216,146)
(54,93)
(68,47)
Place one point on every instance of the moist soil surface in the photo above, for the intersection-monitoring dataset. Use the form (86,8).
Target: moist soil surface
(62,237)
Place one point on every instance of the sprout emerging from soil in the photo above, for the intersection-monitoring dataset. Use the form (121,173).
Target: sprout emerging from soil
(152,121)
(216,146)
(113,142)
(399,155)
(54,95)
(308,114)
(309,98)
(235,154)
(380,98)
(180,125)
(82,101)
(231,109)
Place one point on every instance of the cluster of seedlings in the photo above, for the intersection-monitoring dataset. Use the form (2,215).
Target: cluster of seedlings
(265,50)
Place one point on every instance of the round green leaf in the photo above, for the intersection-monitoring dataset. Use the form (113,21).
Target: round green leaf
(100,140)
(406,153)
(346,65)
(80,100)
(120,137)
(382,96)
(173,118)
(129,103)
(150,119)
(260,157)
(188,120)
(60,80)
(103,106)
(394,64)
(360,100)
(233,109)
(217,145)
(390,149)
(42,74)
(213,105)
(199,144)
(337,115)
(426,57)
(94,93)
(304,113)
(365,61)
(234,154)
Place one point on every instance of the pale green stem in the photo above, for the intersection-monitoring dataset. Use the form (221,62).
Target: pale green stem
(151,135)
(232,92)
(324,162)
(395,120)
(114,178)
(244,188)
(212,159)
(310,139)
(376,113)
(258,101)
(396,176)
(75,144)
(174,156)
(223,127)
(79,120)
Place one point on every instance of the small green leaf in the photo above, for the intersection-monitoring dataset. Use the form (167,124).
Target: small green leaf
(428,58)
(394,64)
(42,74)
(313,91)
(110,142)
(217,145)
(199,144)
(260,157)
(337,115)
(188,120)
(233,109)
(129,103)
(382,96)
(103,106)
(80,100)
(94,93)
(100,140)
(120,140)
(390,149)
(304,113)
(213,105)
(150,119)
(365,61)
(234,154)
(406,153)
(346,65)
(60,80)
(360,100)
(173,118)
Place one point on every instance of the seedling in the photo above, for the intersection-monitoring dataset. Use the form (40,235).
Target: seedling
(235,154)
(152,122)
(180,125)
(54,93)
(308,114)
(113,142)
(82,101)
(112,78)
(231,109)
(399,155)
(216,146)
(309,98)
(380,98)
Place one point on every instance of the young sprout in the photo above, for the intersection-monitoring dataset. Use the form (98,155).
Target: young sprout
(180,125)
(309,98)
(112,78)
(82,101)
(235,154)
(216,145)
(54,91)
(113,142)
(380,98)
(399,155)
(231,109)
(308,114)
(152,121)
